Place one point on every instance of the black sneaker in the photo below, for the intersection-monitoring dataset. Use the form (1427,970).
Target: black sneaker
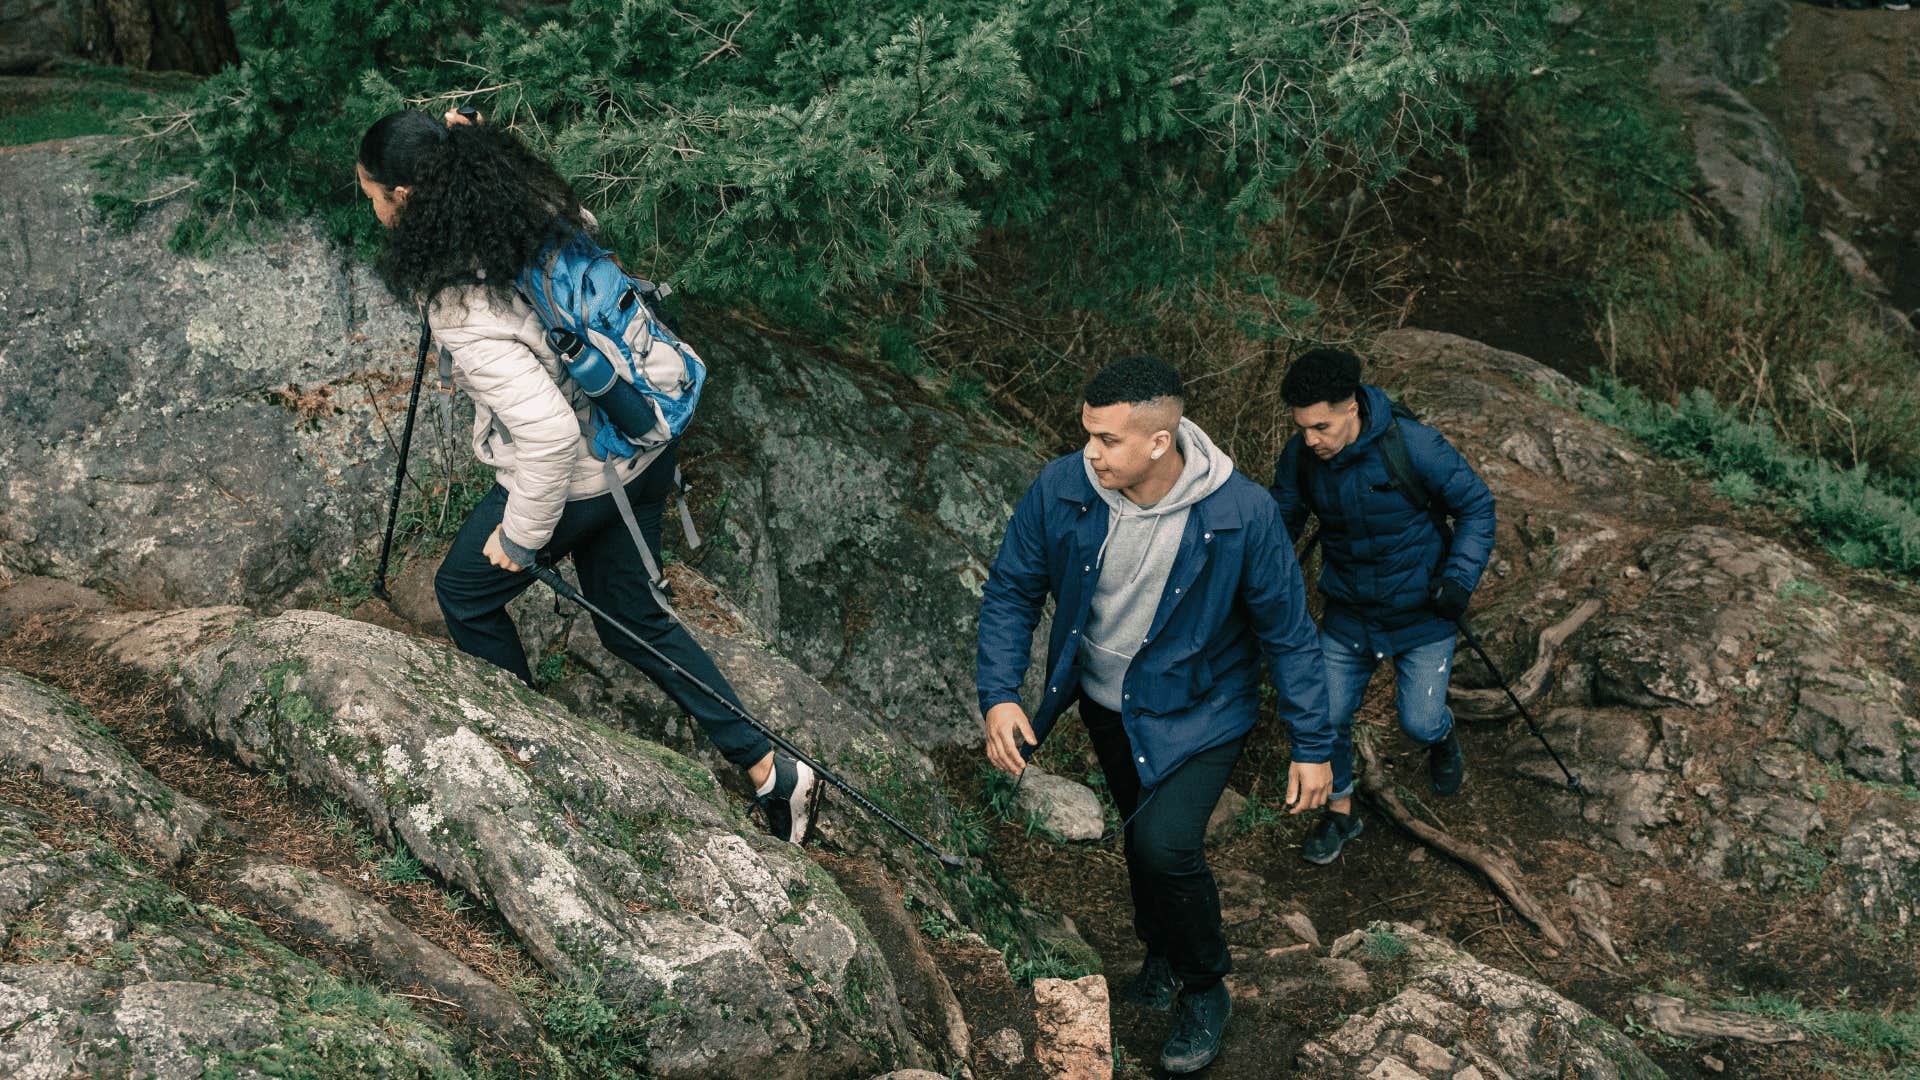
(1446,765)
(1154,987)
(1327,838)
(1197,1031)
(789,805)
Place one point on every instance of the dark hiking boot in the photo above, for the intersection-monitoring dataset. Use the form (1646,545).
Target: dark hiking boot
(1154,987)
(1327,838)
(1197,1031)
(790,802)
(1446,765)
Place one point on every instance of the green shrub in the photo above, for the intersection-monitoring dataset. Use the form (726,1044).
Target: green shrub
(1776,334)
(798,156)
(1867,521)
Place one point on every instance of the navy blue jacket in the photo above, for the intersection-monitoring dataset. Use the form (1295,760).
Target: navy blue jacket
(1233,596)
(1381,554)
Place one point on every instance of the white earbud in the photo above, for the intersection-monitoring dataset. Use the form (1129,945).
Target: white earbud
(1156,454)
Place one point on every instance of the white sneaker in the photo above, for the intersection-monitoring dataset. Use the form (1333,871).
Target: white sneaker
(789,798)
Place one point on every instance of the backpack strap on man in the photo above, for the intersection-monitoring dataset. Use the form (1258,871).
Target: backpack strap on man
(1393,451)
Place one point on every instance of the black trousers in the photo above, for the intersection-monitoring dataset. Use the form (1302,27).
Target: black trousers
(474,593)
(1176,907)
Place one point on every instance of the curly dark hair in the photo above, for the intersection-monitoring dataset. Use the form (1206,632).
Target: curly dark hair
(1329,375)
(481,205)
(1133,380)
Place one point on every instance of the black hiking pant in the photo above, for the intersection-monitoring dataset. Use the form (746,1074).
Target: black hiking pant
(474,594)
(1176,907)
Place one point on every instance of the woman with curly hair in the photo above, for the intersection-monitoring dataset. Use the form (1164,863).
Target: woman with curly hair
(467,208)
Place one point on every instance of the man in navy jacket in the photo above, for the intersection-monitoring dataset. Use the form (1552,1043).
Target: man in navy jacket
(1395,587)
(1173,579)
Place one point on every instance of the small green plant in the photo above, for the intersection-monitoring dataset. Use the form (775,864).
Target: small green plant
(1384,945)
(1737,487)
(401,868)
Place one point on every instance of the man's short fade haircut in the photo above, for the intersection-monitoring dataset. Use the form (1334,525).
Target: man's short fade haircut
(1329,375)
(1133,380)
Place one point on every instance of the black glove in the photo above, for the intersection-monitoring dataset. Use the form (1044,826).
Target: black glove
(1449,598)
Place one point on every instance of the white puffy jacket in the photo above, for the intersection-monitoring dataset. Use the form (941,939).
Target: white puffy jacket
(528,414)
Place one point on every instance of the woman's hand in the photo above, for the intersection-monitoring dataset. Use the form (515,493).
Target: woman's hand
(465,114)
(496,554)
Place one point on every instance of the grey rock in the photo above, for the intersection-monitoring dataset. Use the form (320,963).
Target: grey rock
(1066,808)
(1624,762)
(1006,1047)
(325,911)
(1220,823)
(36,32)
(1879,859)
(185,430)
(1855,121)
(1858,718)
(1745,166)
(617,863)
(50,734)
(1713,591)
(159,986)
(857,521)
(1449,1011)
(1740,39)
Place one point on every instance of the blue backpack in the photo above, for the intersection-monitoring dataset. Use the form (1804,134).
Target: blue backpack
(606,328)
(603,325)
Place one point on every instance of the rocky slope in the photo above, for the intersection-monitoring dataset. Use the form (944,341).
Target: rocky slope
(492,878)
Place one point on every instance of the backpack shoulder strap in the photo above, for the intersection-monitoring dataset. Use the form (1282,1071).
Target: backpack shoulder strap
(1393,450)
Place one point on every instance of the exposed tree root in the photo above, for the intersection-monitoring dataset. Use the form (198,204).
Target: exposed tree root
(1498,868)
(1493,704)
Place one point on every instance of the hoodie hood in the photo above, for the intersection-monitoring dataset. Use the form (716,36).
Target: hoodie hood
(1207,469)
(1376,412)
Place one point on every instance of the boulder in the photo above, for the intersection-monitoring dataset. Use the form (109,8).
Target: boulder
(130,978)
(1879,858)
(1450,1014)
(1065,808)
(323,910)
(46,732)
(855,523)
(1076,1040)
(180,429)
(618,864)
(1746,169)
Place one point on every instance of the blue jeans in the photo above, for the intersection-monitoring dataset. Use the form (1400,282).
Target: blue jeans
(1421,696)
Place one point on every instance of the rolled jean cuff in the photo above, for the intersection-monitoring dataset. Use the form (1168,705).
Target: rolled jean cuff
(1338,795)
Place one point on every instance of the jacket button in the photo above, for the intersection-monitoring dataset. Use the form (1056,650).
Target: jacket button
(1176,592)
(1053,689)
(1143,761)
(1086,569)
(1070,633)
(1206,536)
(1126,697)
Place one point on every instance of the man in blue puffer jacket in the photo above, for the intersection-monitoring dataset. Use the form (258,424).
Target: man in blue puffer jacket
(1394,586)
(1173,580)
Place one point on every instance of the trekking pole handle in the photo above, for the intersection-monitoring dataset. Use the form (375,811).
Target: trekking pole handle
(559,585)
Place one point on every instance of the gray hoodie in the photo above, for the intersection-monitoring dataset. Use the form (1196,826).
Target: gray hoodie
(1135,560)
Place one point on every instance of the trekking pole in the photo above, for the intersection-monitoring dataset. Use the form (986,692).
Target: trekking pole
(559,585)
(1474,642)
(400,473)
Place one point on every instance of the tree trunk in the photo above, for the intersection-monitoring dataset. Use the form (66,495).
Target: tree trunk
(160,35)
